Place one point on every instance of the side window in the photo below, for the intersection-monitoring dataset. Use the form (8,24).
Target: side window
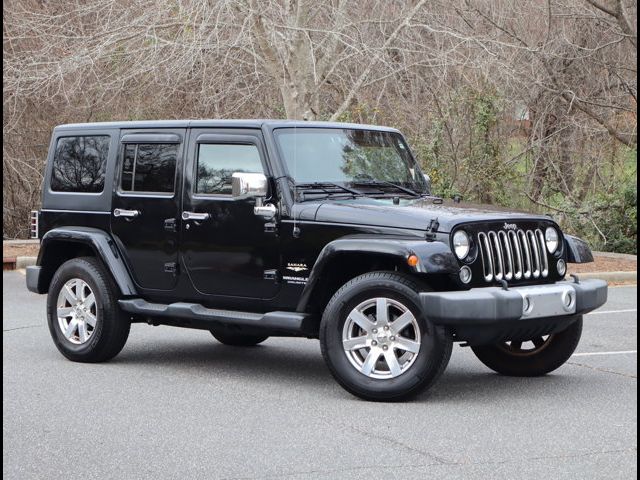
(217,162)
(149,167)
(79,164)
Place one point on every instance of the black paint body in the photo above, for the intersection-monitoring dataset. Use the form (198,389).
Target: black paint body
(239,261)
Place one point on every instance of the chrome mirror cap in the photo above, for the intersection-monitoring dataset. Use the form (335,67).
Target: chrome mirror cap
(245,185)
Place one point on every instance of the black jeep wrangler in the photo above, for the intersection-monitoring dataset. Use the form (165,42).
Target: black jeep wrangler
(251,229)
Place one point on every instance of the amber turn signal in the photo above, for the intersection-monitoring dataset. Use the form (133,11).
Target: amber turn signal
(412,260)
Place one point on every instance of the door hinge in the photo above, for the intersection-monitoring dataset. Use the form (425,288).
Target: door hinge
(271,275)
(430,236)
(270,227)
(171,267)
(170,224)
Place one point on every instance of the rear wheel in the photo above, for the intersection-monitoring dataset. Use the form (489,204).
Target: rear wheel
(237,339)
(85,321)
(376,342)
(534,357)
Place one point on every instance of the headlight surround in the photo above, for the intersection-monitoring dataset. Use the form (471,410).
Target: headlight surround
(552,239)
(461,244)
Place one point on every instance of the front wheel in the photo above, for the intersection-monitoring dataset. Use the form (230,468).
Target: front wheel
(376,342)
(532,358)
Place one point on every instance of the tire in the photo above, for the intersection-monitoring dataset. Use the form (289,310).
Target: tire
(238,340)
(84,342)
(354,367)
(546,355)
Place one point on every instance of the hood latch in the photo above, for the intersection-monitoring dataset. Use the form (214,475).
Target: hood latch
(430,236)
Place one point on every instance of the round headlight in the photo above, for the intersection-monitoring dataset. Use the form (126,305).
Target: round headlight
(461,244)
(551,237)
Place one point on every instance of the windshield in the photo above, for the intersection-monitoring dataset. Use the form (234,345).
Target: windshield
(348,156)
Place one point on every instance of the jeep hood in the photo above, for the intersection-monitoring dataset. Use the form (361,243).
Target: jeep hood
(408,214)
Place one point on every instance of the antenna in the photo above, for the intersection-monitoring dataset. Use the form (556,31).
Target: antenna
(296,230)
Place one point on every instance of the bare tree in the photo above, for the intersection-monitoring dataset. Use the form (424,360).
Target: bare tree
(452,74)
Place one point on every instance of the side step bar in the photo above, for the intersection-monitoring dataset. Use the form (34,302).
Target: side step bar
(195,315)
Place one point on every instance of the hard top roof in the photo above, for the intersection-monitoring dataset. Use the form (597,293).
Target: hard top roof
(248,123)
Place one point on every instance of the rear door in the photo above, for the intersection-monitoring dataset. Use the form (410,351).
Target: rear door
(146,203)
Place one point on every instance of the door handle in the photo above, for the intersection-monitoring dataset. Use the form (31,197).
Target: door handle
(119,212)
(195,216)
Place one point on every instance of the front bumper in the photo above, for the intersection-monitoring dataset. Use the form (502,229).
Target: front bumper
(485,315)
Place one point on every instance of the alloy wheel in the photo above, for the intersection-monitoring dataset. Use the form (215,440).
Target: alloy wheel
(77,311)
(381,338)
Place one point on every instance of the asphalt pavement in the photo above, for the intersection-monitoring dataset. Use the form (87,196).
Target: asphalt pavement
(177,404)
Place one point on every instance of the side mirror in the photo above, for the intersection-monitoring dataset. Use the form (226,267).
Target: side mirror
(427,179)
(245,185)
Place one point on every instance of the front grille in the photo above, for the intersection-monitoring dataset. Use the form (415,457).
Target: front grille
(513,255)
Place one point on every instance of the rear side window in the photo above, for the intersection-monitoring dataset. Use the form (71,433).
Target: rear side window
(79,164)
(149,167)
(218,162)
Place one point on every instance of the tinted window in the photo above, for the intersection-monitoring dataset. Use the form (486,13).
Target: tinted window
(217,162)
(79,164)
(149,167)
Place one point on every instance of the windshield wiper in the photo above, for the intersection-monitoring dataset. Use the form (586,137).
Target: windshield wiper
(374,183)
(325,188)
(326,185)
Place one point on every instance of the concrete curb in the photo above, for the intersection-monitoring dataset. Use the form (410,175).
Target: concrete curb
(620,256)
(24,262)
(28,241)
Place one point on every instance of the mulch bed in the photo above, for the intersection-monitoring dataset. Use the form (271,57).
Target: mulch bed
(605,264)
(20,250)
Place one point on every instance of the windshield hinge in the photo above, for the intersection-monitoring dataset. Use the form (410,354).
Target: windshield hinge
(270,227)
(272,275)
(430,236)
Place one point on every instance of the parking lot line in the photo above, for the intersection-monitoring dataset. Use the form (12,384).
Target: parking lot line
(621,352)
(629,310)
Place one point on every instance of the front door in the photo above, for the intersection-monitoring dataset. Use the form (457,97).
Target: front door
(226,249)
(145,209)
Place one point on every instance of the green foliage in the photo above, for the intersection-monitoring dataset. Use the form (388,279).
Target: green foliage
(468,149)
(609,220)
(463,150)
(484,159)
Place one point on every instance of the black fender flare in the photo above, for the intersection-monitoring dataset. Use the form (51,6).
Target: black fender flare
(100,242)
(433,257)
(578,251)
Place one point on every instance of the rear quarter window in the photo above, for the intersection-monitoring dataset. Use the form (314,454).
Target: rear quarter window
(79,164)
